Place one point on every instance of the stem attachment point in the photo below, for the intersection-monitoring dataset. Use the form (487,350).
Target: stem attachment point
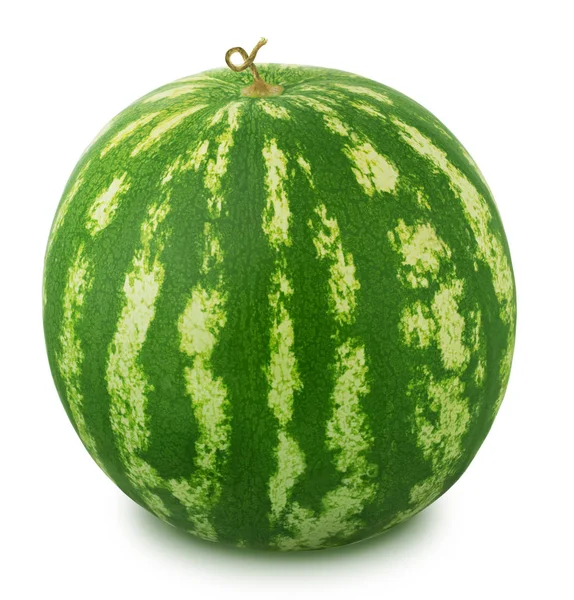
(259,88)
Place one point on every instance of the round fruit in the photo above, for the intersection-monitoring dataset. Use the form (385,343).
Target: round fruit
(281,321)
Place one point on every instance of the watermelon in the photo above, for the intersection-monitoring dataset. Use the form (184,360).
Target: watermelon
(279,321)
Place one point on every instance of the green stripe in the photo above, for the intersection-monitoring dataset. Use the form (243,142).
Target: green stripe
(373,171)
(442,418)
(442,412)
(163,127)
(282,373)
(173,92)
(478,214)
(126,380)
(478,346)
(348,434)
(74,186)
(127,131)
(192,159)
(364,91)
(104,207)
(71,356)
(199,326)
(490,249)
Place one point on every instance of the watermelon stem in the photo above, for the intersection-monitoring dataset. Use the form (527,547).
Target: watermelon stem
(259,88)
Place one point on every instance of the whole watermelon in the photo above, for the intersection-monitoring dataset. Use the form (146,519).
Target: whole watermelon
(282,322)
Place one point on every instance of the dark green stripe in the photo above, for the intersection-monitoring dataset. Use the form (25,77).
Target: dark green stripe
(243,350)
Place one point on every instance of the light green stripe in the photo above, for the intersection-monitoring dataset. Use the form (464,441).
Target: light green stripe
(478,214)
(323,94)
(317,105)
(423,252)
(418,325)
(348,434)
(343,284)
(440,322)
(290,466)
(373,171)
(199,326)
(478,346)
(336,125)
(438,437)
(306,167)
(65,205)
(200,77)
(349,437)
(104,207)
(330,116)
(127,131)
(368,109)
(490,249)
(192,159)
(126,379)
(277,213)
(281,372)
(423,200)
(219,114)
(164,127)
(282,376)
(217,168)
(363,91)
(450,325)
(70,359)
(174,92)
(274,110)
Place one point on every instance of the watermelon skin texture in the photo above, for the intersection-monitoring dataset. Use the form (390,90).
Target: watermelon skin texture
(282,323)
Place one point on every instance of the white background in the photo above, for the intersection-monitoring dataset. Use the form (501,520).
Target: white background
(499,75)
